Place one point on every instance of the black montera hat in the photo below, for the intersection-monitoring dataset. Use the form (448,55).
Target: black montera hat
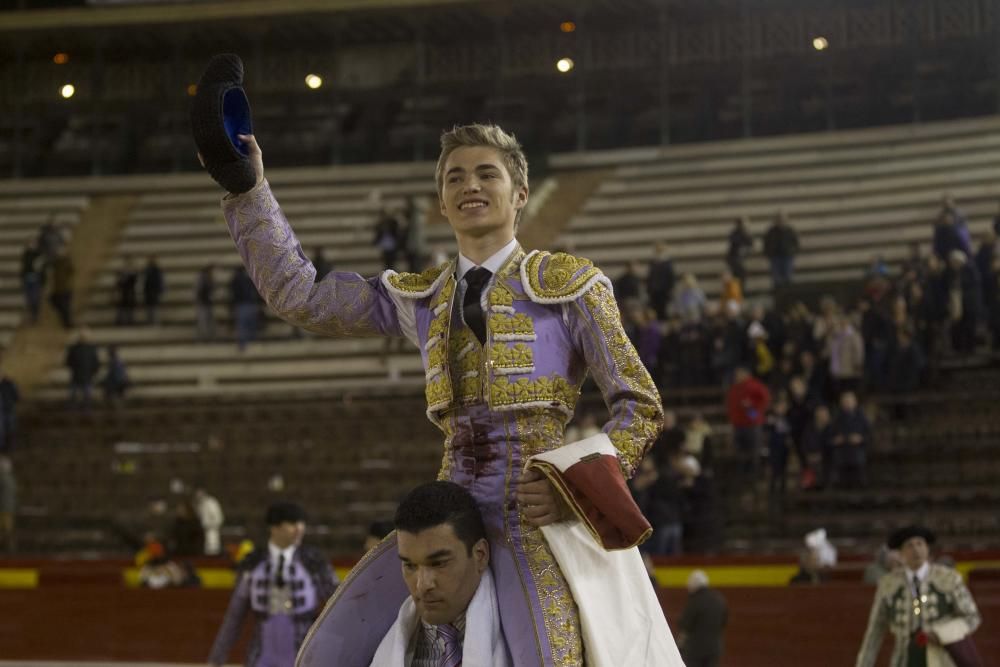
(284,511)
(899,537)
(221,111)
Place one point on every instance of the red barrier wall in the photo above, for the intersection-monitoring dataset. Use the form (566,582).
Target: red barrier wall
(769,627)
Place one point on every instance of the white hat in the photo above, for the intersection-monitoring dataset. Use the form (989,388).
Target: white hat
(697,579)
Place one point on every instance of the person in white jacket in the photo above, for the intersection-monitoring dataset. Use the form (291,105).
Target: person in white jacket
(210,514)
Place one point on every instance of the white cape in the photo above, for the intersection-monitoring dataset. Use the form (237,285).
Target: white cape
(483,644)
(621,619)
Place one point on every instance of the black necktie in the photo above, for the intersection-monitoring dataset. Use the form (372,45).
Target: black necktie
(279,577)
(917,606)
(475,280)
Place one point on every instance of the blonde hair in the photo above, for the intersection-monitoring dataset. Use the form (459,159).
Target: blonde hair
(489,136)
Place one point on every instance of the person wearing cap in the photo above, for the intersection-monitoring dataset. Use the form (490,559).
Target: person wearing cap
(703,623)
(285,585)
(925,606)
(507,337)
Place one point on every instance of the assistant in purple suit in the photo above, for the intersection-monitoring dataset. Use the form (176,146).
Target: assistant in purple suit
(507,339)
(284,585)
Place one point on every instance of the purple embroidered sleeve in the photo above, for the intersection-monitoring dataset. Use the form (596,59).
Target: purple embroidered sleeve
(232,625)
(342,304)
(632,399)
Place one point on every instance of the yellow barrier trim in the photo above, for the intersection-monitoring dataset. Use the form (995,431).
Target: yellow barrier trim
(18,578)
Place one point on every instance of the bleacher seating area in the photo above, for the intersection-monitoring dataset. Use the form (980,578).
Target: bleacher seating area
(342,423)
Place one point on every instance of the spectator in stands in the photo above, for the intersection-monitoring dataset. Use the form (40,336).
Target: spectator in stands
(813,374)
(628,286)
(187,537)
(965,301)
(739,247)
(906,366)
(689,301)
(162,572)
(746,405)
(657,492)
(83,364)
(878,268)
(779,433)
(9,396)
(648,341)
(702,625)
(153,287)
(800,414)
(209,512)
(877,333)
(946,236)
(377,531)
(31,275)
(851,440)
(781,245)
(818,439)
(125,286)
(245,305)
(729,344)
(285,585)
(730,291)
(948,207)
(387,237)
(50,240)
(660,280)
(8,505)
(414,236)
(915,263)
(693,353)
(115,381)
(847,356)
(925,605)
(698,441)
(810,571)
(451,616)
(204,303)
(761,359)
(61,297)
(986,253)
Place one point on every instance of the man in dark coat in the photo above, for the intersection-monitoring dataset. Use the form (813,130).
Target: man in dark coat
(702,624)
(781,244)
(660,281)
(83,364)
(152,290)
(285,584)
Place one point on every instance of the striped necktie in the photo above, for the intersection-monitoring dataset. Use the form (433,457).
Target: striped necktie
(452,646)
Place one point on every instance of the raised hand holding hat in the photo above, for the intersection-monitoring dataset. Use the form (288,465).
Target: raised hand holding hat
(222,127)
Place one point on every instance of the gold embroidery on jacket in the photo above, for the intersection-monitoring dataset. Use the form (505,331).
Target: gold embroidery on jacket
(540,430)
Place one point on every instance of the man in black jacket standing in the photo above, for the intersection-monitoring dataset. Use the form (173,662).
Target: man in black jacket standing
(702,624)
(781,244)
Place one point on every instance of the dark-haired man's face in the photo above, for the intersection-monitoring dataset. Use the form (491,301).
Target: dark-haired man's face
(914,552)
(440,573)
(287,533)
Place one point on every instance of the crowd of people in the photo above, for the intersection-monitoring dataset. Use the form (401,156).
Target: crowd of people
(795,380)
